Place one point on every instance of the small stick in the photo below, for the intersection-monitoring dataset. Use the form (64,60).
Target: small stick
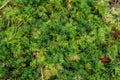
(118,63)
(4,4)
(42,73)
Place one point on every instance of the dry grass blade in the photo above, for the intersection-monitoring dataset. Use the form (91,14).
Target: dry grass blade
(4,4)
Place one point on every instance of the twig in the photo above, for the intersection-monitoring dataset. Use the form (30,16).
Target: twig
(118,63)
(4,4)
(42,74)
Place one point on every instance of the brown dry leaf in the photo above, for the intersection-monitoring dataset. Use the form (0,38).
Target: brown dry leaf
(36,54)
(69,5)
(74,57)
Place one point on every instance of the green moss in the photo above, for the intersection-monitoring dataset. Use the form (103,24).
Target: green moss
(58,40)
